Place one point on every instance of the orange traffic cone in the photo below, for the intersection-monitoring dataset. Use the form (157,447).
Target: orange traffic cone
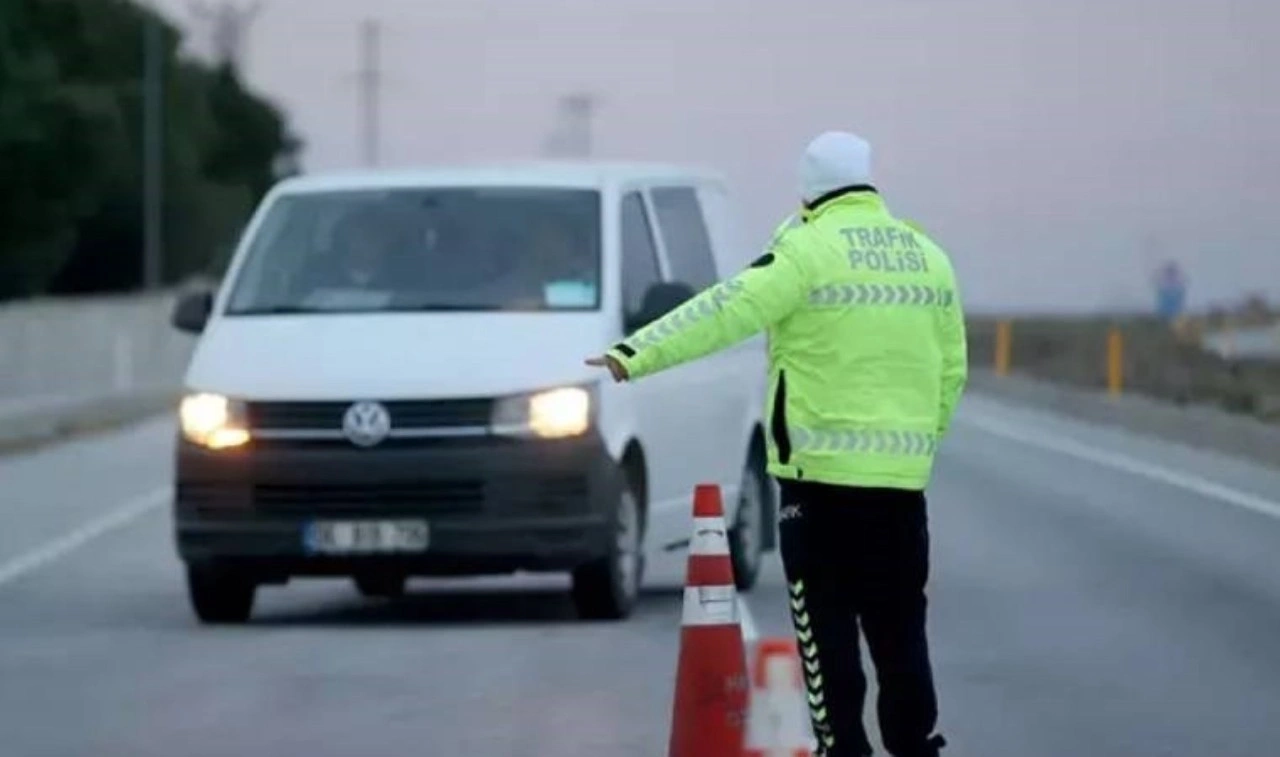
(778,725)
(709,713)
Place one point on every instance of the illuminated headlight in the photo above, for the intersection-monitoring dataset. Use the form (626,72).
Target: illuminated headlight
(213,421)
(553,414)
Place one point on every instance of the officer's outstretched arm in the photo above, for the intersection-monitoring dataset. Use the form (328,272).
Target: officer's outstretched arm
(955,359)
(718,317)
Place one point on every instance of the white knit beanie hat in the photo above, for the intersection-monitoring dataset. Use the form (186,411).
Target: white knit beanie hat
(833,160)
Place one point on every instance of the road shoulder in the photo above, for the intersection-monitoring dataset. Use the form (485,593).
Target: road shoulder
(28,426)
(1202,428)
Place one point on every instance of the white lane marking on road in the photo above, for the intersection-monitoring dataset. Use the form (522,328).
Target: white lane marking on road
(70,542)
(747,621)
(1117,461)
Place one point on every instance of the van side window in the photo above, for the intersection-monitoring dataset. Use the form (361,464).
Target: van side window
(684,231)
(639,255)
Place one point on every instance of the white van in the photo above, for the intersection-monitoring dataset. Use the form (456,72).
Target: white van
(389,382)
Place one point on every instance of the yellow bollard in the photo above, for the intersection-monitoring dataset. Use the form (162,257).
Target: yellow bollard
(1182,328)
(1004,339)
(1115,362)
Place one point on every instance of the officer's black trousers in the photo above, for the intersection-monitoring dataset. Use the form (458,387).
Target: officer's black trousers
(861,556)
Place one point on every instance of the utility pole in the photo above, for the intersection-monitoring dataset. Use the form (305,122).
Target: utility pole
(153,152)
(579,110)
(572,134)
(230,28)
(370,83)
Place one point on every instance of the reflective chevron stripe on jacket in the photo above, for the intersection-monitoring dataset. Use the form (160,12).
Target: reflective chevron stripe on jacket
(879,441)
(834,295)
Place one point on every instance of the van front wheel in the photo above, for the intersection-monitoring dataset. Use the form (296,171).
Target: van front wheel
(606,589)
(746,538)
(219,596)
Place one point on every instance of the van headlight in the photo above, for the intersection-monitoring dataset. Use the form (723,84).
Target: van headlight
(213,421)
(553,414)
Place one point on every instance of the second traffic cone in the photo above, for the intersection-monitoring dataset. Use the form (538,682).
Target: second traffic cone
(777,725)
(709,713)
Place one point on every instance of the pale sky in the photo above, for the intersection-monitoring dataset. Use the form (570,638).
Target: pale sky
(1058,149)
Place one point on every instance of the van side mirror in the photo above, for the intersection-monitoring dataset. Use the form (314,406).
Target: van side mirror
(660,299)
(191,313)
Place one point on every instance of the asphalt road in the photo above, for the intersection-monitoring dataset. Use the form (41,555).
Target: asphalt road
(1094,594)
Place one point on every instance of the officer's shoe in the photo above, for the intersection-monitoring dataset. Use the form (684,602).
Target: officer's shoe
(820,752)
(817,750)
(932,748)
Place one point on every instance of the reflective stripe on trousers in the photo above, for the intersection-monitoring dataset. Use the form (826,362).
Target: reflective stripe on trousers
(807,644)
(882,441)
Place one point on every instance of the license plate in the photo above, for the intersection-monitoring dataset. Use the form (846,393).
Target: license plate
(367,536)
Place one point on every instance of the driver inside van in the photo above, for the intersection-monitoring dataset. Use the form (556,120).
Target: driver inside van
(354,271)
(361,243)
(553,271)
(565,266)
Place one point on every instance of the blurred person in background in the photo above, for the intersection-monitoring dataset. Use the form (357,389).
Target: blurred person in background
(868,361)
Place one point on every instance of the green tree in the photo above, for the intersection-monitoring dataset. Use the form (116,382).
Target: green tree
(71,128)
(56,149)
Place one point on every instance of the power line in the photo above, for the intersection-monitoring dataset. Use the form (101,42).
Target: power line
(370,80)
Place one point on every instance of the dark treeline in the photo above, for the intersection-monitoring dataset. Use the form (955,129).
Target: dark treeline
(71,150)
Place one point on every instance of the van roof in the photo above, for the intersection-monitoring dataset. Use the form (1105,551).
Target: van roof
(586,173)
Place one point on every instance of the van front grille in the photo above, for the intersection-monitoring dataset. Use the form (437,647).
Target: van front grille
(405,414)
(425,497)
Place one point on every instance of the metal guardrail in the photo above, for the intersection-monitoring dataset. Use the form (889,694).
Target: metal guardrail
(1261,342)
(27,423)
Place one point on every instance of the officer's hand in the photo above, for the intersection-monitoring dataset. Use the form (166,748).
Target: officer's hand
(604,361)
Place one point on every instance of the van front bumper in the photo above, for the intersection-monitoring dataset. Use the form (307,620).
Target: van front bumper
(492,505)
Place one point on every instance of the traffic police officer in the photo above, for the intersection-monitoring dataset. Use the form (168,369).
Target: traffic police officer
(867,364)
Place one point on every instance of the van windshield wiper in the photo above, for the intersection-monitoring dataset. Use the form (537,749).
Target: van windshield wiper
(429,308)
(445,308)
(278,310)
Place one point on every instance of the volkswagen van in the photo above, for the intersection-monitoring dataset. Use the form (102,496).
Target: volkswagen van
(389,382)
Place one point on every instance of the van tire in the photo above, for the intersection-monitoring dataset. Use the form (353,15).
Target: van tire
(220,596)
(606,588)
(747,537)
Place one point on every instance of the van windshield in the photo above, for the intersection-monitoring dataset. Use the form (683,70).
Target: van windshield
(443,249)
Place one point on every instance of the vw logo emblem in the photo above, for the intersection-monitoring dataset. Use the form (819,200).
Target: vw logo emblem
(366,423)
